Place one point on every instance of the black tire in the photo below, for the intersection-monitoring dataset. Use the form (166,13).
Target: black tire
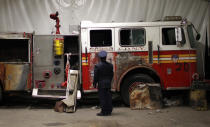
(129,81)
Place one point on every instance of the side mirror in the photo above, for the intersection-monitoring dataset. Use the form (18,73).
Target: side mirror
(198,36)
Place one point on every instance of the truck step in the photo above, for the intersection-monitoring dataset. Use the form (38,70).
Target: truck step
(49,93)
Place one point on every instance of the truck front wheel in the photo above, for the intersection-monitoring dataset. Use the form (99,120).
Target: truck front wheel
(137,78)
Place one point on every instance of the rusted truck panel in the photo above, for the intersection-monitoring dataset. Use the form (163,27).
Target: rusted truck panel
(14,76)
(2,73)
(16,61)
(126,62)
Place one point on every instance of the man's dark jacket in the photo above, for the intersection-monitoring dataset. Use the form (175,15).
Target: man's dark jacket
(103,74)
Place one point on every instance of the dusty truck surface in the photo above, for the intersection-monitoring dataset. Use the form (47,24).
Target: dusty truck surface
(161,52)
(15,62)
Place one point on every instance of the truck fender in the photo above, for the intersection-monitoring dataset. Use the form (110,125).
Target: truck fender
(139,69)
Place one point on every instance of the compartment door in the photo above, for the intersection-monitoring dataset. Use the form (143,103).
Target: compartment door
(48,71)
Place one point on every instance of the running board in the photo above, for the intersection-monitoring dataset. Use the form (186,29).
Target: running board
(36,93)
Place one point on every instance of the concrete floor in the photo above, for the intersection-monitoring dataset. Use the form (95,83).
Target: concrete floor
(39,113)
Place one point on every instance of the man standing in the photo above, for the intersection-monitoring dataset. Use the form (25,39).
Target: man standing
(103,74)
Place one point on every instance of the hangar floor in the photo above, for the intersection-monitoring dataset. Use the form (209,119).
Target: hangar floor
(27,112)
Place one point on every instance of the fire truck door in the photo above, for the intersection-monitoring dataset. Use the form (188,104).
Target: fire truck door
(99,39)
(173,56)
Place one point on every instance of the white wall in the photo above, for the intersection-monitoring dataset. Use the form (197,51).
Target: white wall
(33,15)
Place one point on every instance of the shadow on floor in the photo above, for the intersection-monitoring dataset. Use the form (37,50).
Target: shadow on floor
(25,100)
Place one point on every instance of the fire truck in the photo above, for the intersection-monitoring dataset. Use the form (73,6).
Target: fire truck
(161,52)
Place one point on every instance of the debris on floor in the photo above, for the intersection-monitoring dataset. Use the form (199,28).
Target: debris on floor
(95,107)
(198,100)
(157,111)
(59,106)
(173,101)
(145,97)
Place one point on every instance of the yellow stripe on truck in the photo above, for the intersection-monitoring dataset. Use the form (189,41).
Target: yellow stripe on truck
(171,61)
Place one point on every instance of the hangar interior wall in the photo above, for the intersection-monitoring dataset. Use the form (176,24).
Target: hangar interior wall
(33,15)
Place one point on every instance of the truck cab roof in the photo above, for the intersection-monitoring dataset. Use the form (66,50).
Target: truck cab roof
(90,24)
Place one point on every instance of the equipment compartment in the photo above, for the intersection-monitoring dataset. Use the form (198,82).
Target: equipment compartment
(71,45)
(14,50)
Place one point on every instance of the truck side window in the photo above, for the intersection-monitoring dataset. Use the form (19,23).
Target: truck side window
(132,37)
(99,38)
(168,36)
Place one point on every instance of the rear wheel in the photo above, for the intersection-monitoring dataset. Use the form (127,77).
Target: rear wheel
(129,81)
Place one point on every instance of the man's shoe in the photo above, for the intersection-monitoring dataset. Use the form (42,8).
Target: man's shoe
(101,114)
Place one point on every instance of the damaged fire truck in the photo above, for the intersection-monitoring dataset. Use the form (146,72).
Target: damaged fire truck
(161,52)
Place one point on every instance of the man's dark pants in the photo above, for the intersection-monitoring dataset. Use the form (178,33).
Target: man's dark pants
(105,98)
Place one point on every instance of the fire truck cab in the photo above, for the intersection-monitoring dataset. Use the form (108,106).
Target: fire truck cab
(141,52)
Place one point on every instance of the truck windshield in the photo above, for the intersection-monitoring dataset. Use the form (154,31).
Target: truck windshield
(191,36)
